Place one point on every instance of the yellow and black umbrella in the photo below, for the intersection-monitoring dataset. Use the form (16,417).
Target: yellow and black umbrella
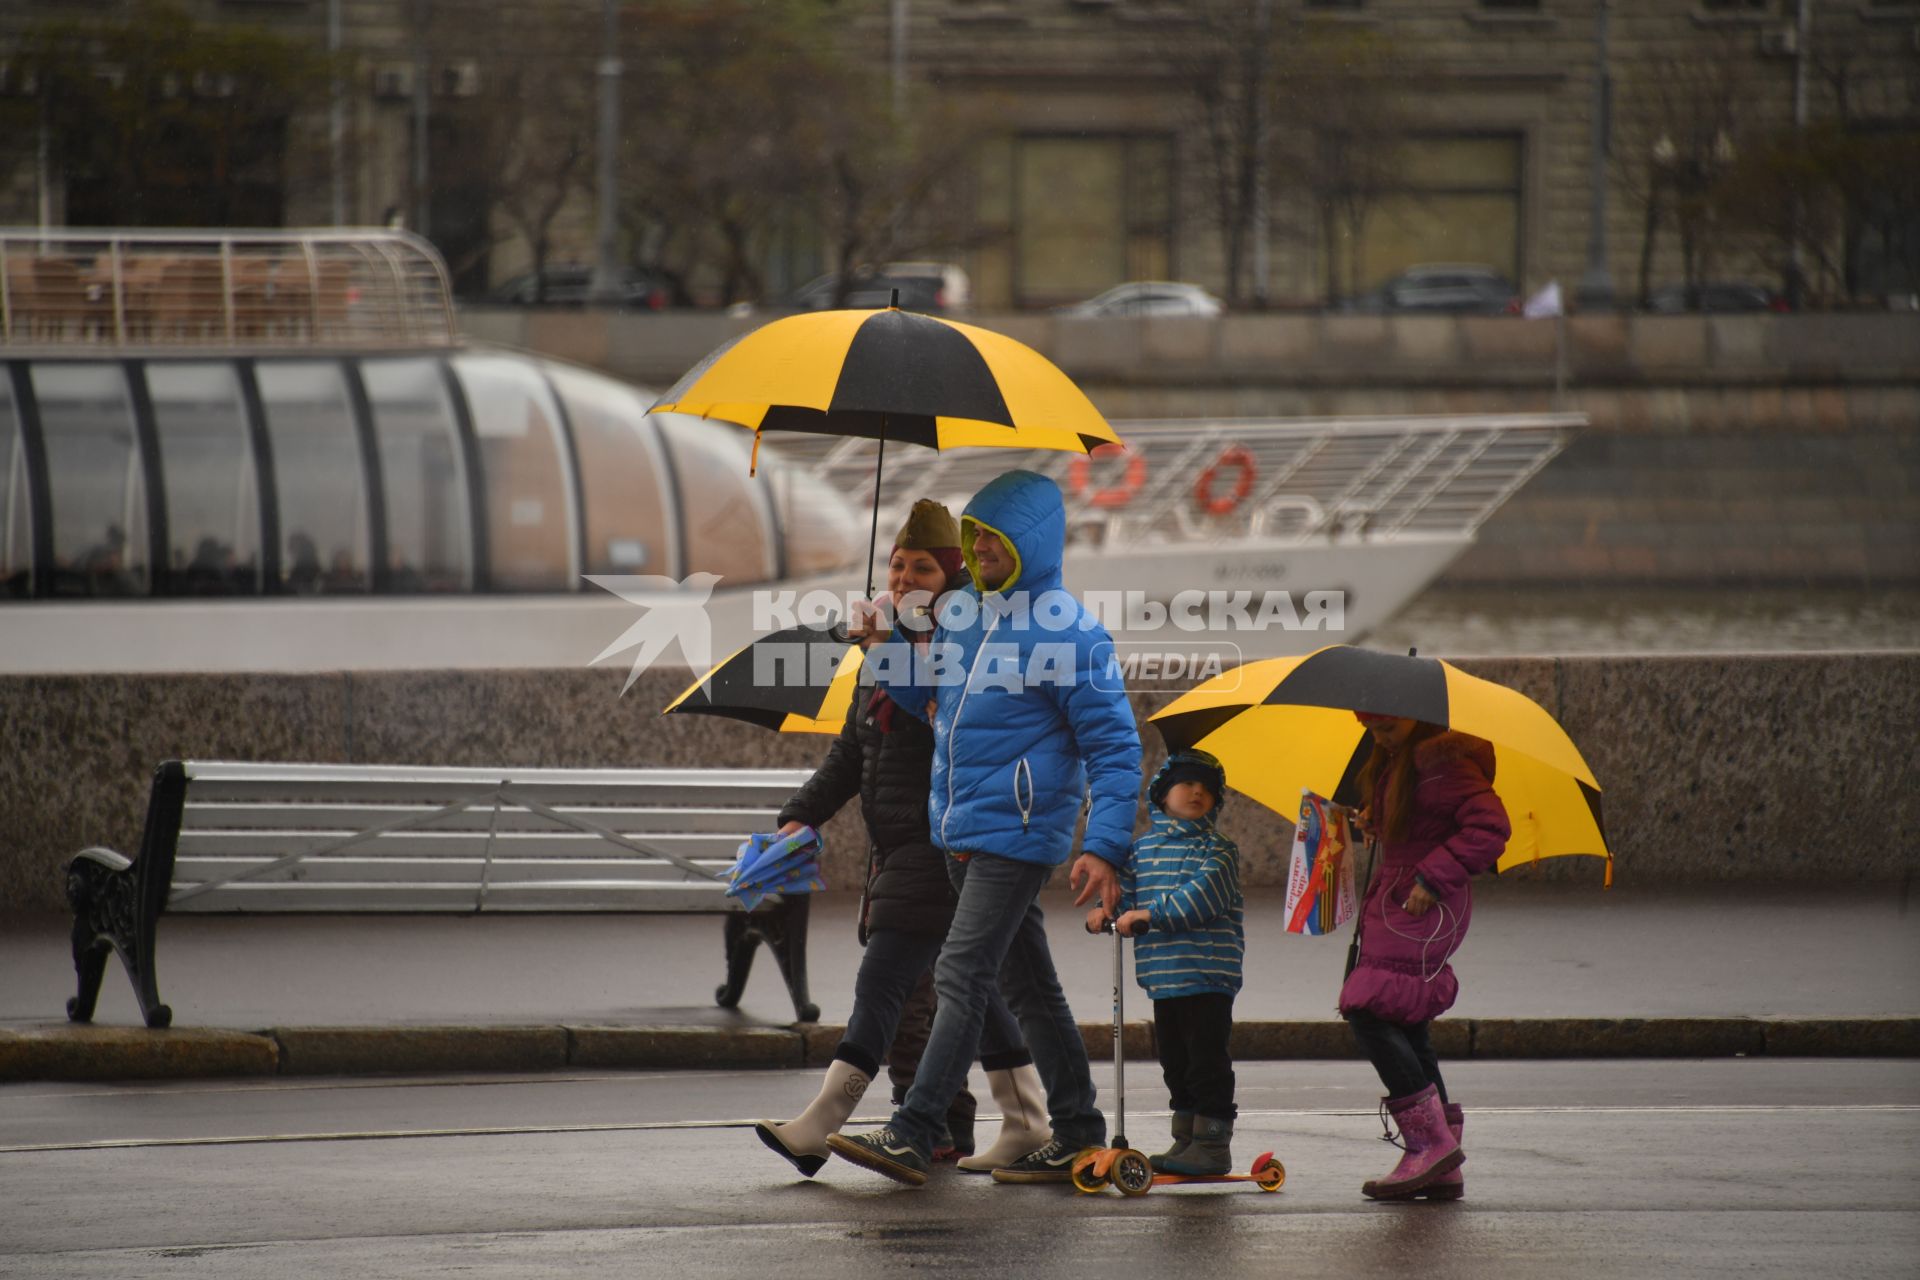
(1286,725)
(798,680)
(891,375)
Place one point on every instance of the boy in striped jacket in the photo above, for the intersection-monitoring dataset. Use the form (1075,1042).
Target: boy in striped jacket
(1184,882)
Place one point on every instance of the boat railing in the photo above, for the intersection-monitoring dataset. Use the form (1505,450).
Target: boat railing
(1230,480)
(96,287)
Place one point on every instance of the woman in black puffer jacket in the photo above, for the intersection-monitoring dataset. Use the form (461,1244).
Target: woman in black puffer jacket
(885,756)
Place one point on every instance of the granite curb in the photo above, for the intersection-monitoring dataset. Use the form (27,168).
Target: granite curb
(61,1052)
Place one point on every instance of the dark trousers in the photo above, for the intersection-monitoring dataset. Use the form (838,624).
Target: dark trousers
(910,1041)
(1402,1054)
(1193,1034)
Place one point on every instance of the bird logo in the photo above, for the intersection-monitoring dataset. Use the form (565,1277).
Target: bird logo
(672,613)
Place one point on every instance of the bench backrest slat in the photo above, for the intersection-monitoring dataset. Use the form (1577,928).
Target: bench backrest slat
(316,815)
(297,837)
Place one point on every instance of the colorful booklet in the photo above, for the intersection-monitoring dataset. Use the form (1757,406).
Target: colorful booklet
(1320,894)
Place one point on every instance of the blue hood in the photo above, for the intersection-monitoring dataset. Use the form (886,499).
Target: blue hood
(1025,508)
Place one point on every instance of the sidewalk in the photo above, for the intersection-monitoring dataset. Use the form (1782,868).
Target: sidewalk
(1549,970)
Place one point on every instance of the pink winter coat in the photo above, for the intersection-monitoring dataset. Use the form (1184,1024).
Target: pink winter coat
(1458,829)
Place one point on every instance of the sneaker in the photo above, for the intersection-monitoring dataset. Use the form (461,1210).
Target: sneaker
(882,1151)
(1051,1163)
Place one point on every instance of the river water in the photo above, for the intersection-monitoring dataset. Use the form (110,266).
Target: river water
(1490,622)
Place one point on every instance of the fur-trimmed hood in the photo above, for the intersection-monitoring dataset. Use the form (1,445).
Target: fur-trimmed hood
(1443,749)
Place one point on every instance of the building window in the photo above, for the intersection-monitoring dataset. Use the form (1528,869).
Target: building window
(1087,213)
(1457,200)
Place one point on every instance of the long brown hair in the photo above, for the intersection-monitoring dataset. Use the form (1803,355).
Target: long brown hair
(1400,771)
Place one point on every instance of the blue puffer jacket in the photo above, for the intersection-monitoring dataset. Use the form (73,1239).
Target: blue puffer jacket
(1028,702)
(1186,877)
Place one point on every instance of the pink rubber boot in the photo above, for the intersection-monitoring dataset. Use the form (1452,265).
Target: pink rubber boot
(1431,1149)
(1448,1186)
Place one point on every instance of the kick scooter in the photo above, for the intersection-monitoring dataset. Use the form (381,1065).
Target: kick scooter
(1122,1166)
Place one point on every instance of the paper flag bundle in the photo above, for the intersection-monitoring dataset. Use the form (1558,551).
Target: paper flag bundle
(1320,877)
(772,864)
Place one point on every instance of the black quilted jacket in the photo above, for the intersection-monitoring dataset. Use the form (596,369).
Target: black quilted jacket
(890,772)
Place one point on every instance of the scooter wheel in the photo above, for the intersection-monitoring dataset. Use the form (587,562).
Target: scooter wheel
(1270,1176)
(1085,1178)
(1132,1174)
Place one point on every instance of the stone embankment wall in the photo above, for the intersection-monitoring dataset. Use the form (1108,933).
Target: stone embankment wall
(1744,449)
(1715,768)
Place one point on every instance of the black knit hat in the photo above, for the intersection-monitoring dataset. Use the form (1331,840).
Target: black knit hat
(1189,766)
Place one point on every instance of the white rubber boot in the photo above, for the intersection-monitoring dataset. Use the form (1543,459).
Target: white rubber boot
(803,1139)
(1023,1119)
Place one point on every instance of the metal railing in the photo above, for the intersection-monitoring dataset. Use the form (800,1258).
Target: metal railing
(95,288)
(1235,479)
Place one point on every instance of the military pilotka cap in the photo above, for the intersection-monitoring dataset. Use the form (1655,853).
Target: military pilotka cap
(929,527)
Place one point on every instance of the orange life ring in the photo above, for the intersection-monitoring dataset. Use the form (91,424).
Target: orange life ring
(1240,459)
(1079,477)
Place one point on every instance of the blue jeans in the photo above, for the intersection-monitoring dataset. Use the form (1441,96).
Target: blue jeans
(998,942)
(889,970)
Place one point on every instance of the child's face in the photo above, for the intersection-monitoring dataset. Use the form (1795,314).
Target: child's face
(1189,800)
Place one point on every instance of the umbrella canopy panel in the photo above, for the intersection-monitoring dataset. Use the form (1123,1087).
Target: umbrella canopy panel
(1286,725)
(798,680)
(891,374)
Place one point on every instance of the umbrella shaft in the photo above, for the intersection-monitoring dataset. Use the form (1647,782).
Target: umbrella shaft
(873,534)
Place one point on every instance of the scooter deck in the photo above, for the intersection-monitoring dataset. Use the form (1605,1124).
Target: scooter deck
(1266,1170)
(1123,1169)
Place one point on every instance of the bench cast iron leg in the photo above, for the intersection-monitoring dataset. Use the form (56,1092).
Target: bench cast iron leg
(107,913)
(741,940)
(783,927)
(787,938)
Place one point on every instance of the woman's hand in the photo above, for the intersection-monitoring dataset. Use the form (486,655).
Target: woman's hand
(789,829)
(868,620)
(1418,902)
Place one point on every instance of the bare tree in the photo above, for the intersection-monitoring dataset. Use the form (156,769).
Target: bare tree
(1332,122)
(1689,120)
(521,145)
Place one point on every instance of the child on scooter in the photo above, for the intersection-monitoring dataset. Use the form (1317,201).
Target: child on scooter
(1184,883)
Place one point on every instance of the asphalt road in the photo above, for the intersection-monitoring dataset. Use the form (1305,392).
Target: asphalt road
(1588,1169)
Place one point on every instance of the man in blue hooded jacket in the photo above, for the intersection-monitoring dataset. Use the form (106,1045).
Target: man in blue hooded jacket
(1025,699)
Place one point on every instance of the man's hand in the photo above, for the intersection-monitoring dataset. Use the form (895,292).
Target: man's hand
(1094,880)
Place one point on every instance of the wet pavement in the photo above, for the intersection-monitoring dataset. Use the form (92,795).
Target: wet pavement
(1760,1167)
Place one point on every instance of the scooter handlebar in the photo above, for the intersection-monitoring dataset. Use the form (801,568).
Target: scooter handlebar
(1139,927)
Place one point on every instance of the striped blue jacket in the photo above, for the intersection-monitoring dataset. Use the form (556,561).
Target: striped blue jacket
(1186,876)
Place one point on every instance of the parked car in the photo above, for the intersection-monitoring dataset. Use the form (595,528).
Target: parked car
(1467,288)
(1724,295)
(1148,298)
(570,284)
(923,286)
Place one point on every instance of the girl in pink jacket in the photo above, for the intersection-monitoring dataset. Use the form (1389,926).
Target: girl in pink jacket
(1429,803)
